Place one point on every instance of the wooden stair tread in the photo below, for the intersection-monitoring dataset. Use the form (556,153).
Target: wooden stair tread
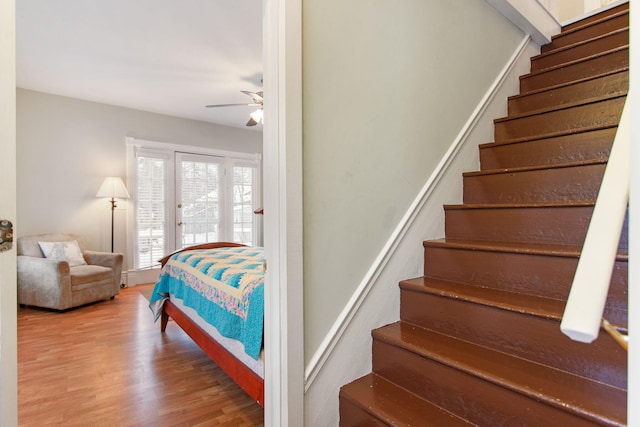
(601,23)
(597,161)
(580,43)
(533,305)
(572,393)
(522,303)
(396,406)
(574,62)
(561,107)
(574,48)
(567,148)
(543,137)
(557,222)
(569,84)
(464,206)
(571,114)
(519,248)
(575,27)
(553,134)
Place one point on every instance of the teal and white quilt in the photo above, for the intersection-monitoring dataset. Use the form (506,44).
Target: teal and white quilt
(224,285)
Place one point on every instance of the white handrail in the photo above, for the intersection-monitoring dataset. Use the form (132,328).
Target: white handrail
(583,313)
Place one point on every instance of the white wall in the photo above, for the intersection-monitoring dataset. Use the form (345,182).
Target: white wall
(532,17)
(8,303)
(567,9)
(67,146)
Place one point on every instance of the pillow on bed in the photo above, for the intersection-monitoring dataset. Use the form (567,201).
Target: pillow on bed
(63,251)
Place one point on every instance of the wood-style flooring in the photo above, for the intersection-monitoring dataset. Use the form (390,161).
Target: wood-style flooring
(107,364)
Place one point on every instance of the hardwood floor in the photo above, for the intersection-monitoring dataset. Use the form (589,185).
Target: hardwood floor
(107,364)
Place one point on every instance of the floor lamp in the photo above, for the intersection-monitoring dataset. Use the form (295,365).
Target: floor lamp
(113,188)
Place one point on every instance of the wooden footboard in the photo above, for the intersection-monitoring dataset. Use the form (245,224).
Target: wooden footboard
(248,380)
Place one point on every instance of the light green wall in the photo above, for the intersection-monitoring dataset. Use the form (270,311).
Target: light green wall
(386,88)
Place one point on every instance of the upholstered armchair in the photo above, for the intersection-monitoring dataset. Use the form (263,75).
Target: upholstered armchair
(55,272)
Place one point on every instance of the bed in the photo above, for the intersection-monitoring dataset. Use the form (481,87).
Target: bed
(215,293)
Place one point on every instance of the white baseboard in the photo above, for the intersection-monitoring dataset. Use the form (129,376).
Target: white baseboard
(140,277)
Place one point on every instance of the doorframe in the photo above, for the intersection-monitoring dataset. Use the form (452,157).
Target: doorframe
(633,357)
(282,169)
(284,368)
(8,260)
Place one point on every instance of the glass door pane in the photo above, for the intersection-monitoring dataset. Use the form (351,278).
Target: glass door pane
(150,202)
(200,202)
(244,181)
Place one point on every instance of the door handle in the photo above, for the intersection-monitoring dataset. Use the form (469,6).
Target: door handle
(6,235)
(179,222)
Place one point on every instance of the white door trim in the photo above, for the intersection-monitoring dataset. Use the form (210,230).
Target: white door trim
(282,168)
(8,295)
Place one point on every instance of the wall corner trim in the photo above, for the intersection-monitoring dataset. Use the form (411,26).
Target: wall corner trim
(322,354)
(530,16)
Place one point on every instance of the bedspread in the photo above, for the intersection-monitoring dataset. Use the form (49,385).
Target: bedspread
(225,286)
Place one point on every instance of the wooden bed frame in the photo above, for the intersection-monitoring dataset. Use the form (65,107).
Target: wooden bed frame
(248,380)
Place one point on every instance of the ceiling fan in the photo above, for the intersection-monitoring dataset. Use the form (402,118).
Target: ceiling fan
(258,101)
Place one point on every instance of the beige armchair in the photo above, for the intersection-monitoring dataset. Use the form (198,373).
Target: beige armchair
(53,283)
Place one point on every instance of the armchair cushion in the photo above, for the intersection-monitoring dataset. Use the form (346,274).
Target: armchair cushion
(83,275)
(63,251)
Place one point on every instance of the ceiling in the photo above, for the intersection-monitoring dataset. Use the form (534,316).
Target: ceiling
(164,56)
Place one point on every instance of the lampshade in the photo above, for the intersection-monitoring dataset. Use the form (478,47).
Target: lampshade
(113,187)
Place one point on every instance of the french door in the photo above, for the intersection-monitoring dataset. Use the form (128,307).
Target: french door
(182,199)
(200,210)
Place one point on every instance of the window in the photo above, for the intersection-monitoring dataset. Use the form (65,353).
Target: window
(244,179)
(183,199)
(200,195)
(150,201)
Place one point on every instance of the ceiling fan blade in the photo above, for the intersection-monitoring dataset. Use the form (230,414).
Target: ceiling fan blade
(257,96)
(251,122)
(232,105)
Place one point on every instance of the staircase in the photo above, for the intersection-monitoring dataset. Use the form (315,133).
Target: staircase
(479,339)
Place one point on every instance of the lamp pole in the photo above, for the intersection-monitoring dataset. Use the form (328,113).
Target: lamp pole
(113,208)
(113,188)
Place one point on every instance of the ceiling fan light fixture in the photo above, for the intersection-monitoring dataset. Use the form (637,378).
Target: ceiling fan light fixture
(256,117)
(258,101)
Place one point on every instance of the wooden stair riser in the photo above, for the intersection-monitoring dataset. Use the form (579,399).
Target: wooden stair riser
(601,44)
(570,148)
(464,394)
(622,8)
(542,275)
(608,85)
(374,401)
(601,113)
(352,415)
(604,63)
(534,338)
(570,37)
(560,225)
(562,184)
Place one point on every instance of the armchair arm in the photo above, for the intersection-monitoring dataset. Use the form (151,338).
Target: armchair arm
(110,260)
(105,259)
(43,282)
